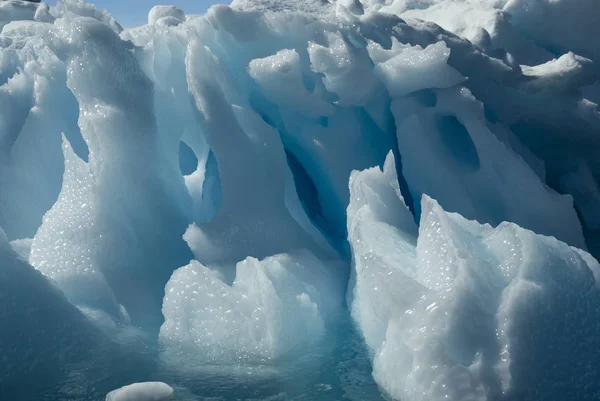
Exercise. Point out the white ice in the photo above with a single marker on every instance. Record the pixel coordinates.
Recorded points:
(147, 391)
(189, 179)
(464, 310)
(274, 308)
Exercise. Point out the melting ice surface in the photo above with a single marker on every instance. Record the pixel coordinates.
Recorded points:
(304, 200)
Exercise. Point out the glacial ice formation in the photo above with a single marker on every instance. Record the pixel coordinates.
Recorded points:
(231, 187)
(464, 310)
(249, 321)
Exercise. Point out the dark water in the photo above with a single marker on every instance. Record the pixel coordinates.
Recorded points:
(336, 369)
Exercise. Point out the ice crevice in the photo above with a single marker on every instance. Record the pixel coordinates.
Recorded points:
(246, 192)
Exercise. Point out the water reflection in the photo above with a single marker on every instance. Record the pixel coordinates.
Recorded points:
(337, 369)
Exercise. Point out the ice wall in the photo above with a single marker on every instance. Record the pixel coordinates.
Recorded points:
(190, 177)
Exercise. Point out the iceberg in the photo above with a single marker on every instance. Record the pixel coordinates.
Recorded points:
(352, 199)
(463, 310)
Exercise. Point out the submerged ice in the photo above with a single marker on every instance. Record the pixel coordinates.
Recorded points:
(219, 193)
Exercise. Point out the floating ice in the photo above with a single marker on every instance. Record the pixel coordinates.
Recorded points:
(148, 391)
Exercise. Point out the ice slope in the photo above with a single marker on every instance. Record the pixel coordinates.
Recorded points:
(189, 177)
(465, 311)
(41, 332)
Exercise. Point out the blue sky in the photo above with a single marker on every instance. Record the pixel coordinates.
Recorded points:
(132, 13)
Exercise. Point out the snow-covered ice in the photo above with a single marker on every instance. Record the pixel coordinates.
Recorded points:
(210, 200)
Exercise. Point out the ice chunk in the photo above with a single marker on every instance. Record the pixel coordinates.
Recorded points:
(559, 24)
(561, 75)
(22, 247)
(318, 8)
(379, 221)
(42, 14)
(477, 175)
(105, 235)
(405, 69)
(147, 391)
(280, 78)
(170, 12)
(341, 63)
(16, 10)
(274, 307)
(67, 8)
(514, 34)
(460, 315)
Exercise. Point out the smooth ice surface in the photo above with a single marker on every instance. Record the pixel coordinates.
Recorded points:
(170, 15)
(204, 189)
(41, 331)
(147, 391)
(451, 153)
(580, 182)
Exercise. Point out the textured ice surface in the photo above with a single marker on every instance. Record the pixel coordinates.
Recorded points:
(123, 211)
(210, 156)
(404, 69)
(273, 307)
(464, 310)
(147, 391)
